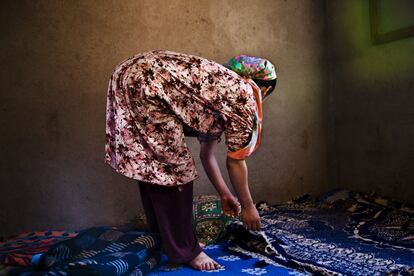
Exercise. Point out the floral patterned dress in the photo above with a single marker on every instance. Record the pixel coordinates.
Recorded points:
(156, 98)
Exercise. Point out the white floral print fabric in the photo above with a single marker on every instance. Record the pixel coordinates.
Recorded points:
(156, 98)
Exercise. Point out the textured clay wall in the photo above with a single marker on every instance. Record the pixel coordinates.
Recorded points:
(373, 102)
(56, 60)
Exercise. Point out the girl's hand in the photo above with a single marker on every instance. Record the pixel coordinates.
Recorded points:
(230, 206)
(251, 218)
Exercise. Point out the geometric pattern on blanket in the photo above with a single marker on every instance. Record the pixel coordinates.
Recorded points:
(19, 249)
(339, 233)
(383, 222)
(209, 221)
(231, 264)
(102, 250)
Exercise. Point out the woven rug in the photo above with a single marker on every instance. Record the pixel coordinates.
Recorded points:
(339, 233)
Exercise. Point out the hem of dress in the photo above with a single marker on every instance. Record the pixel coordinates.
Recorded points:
(196, 176)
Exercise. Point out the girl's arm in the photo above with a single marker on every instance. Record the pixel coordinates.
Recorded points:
(238, 176)
(212, 169)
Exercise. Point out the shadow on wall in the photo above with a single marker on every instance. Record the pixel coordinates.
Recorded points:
(372, 87)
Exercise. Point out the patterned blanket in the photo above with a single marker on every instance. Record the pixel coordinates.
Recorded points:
(339, 233)
(19, 249)
(101, 250)
(232, 264)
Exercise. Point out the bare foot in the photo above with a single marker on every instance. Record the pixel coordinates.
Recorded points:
(202, 245)
(203, 262)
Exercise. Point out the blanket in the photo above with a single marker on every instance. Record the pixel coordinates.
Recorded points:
(232, 263)
(101, 250)
(338, 233)
(19, 249)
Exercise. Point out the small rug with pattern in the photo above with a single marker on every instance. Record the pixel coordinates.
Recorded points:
(339, 233)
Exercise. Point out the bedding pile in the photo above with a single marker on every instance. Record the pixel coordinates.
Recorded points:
(19, 249)
(96, 251)
(338, 233)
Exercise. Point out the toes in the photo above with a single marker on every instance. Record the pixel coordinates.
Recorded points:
(204, 263)
(214, 265)
(197, 265)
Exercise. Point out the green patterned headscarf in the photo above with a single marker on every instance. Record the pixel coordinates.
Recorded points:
(253, 67)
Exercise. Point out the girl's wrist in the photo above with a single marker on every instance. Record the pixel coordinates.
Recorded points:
(247, 205)
(226, 194)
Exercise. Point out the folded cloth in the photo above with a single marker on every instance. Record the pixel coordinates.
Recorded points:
(19, 249)
(101, 251)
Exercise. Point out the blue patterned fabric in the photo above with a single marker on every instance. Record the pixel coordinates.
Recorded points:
(339, 233)
(100, 251)
(233, 264)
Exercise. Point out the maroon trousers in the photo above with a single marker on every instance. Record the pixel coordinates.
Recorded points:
(169, 212)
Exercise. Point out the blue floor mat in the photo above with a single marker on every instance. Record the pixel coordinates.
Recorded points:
(233, 264)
